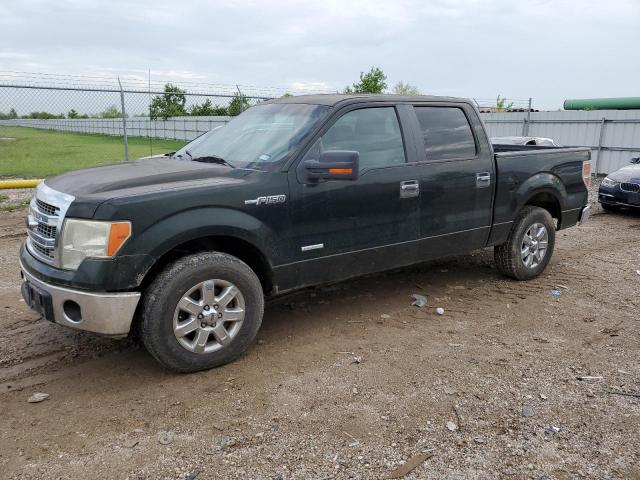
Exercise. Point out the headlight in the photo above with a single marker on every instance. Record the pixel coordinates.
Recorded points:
(86, 238)
(607, 182)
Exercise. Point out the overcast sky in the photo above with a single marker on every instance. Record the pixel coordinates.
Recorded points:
(545, 49)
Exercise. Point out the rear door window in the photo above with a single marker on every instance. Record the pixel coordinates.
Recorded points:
(446, 133)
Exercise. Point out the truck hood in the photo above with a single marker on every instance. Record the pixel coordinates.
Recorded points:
(142, 176)
(630, 173)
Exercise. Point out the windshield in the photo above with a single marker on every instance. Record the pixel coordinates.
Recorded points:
(259, 138)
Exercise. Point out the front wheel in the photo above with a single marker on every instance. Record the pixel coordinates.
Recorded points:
(529, 246)
(202, 311)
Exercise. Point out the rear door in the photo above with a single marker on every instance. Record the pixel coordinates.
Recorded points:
(346, 228)
(456, 181)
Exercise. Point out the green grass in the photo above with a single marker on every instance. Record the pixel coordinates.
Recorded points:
(42, 153)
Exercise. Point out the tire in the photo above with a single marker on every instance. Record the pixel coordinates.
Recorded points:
(609, 208)
(177, 330)
(511, 257)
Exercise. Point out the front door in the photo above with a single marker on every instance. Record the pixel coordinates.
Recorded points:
(346, 228)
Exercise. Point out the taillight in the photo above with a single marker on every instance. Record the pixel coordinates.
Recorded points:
(586, 174)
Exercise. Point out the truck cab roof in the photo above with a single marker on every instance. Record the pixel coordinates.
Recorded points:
(332, 100)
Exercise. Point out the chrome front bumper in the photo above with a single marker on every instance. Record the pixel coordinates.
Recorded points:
(105, 313)
(584, 215)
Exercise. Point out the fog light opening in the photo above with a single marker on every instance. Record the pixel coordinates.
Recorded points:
(72, 311)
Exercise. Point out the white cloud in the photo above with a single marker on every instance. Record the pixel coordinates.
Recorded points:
(547, 49)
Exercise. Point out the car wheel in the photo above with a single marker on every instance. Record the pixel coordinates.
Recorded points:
(610, 208)
(201, 311)
(529, 246)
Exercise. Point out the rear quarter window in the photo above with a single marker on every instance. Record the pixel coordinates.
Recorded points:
(446, 133)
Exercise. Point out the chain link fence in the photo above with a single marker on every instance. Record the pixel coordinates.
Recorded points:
(125, 107)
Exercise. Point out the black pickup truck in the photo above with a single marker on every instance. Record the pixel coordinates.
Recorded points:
(294, 192)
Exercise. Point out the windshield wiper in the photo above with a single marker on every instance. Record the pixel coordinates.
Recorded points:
(211, 159)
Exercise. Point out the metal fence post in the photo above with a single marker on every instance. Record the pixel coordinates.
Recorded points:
(124, 123)
(600, 142)
(526, 121)
(240, 99)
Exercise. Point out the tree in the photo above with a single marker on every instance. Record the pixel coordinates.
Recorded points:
(72, 114)
(9, 116)
(374, 81)
(111, 112)
(170, 104)
(43, 115)
(237, 105)
(206, 109)
(402, 88)
(501, 104)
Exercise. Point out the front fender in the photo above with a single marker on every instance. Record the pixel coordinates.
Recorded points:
(166, 234)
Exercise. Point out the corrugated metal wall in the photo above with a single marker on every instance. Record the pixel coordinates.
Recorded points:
(614, 135)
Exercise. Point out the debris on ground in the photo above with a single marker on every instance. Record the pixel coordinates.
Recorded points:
(419, 300)
(628, 394)
(551, 430)
(38, 397)
(588, 378)
(357, 359)
(555, 292)
(165, 438)
(450, 391)
(226, 442)
(385, 316)
(411, 464)
(440, 311)
(452, 426)
(527, 411)
(543, 396)
(192, 474)
(130, 443)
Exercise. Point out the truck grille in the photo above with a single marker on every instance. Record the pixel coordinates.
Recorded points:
(47, 252)
(630, 187)
(46, 214)
(46, 208)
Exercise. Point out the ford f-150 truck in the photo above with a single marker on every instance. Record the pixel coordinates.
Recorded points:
(295, 192)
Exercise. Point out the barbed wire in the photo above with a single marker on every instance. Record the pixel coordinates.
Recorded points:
(129, 82)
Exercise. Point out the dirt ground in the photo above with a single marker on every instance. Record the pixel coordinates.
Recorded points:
(351, 381)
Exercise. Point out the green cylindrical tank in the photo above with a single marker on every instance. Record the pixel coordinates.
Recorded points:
(622, 103)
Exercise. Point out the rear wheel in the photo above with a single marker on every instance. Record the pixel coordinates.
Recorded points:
(201, 312)
(529, 246)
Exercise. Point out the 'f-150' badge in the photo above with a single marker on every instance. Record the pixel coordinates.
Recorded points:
(271, 199)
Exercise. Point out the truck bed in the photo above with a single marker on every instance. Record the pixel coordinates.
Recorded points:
(522, 169)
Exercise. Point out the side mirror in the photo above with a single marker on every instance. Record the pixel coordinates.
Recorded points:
(333, 165)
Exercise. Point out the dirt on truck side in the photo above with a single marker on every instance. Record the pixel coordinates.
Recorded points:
(537, 379)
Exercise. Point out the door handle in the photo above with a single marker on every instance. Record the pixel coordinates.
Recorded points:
(483, 179)
(409, 188)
